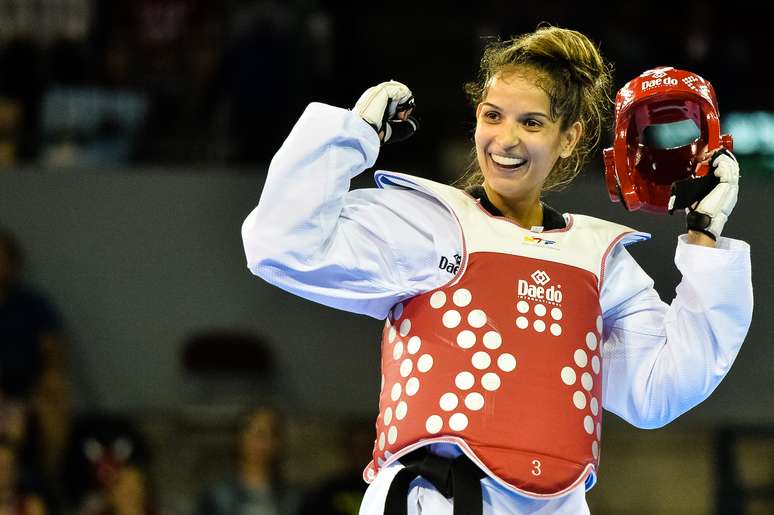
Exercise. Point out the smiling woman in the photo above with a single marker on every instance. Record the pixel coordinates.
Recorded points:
(575, 79)
(495, 370)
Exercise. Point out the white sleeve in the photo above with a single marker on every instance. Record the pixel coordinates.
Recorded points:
(360, 251)
(661, 360)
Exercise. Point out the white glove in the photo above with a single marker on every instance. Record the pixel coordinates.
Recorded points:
(381, 105)
(713, 210)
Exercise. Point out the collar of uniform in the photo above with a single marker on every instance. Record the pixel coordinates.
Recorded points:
(552, 219)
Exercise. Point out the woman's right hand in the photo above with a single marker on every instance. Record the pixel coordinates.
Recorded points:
(387, 108)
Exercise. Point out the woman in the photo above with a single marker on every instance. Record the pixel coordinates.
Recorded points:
(257, 487)
(496, 367)
(14, 501)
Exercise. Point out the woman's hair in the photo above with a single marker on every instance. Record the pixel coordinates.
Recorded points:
(574, 75)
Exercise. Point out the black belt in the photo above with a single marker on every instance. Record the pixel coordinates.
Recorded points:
(456, 477)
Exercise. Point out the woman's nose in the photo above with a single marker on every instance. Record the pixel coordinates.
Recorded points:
(510, 135)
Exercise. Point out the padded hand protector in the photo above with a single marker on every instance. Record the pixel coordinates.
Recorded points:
(380, 106)
(713, 210)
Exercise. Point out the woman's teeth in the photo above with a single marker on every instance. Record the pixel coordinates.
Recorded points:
(510, 162)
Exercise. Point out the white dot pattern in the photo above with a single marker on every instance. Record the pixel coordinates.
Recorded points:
(458, 404)
(481, 360)
(466, 339)
(540, 310)
(477, 318)
(568, 376)
(414, 344)
(434, 424)
(599, 324)
(583, 398)
(464, 380)
(474, 401)
(451, 319)
(392, 435)
(437, 300)
(448, 401)
(395, 393)
(458, 422)
(425, 363)
(581, 358)
(579, 399)
(506, 362)
(462, 297)
(401, 410)
(591, 341)
(490, 381)
(588, 424)
(586, 381)
(412, 386)
(492, 340)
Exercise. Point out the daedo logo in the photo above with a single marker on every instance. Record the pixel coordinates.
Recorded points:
(655, 83)
(538, 290)
(450, 265)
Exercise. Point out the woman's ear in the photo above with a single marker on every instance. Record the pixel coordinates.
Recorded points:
(570, 138)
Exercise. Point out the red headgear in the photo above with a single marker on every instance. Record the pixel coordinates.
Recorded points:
(640, 172)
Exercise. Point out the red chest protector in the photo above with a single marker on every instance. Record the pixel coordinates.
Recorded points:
(504, 360)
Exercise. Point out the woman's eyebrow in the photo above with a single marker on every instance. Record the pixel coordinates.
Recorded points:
(531, 113)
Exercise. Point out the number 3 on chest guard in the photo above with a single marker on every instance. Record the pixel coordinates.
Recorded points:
(536, 468)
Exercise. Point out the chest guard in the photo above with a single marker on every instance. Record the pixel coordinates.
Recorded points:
(504, 360)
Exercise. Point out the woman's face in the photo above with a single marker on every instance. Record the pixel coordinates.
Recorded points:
(259, 438)
(517, 141)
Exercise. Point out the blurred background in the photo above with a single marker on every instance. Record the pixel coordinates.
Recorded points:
(144, 370)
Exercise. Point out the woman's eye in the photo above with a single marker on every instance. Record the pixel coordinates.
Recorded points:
(531, 122)
(492, 115)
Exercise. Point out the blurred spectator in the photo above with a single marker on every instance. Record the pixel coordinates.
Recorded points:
(31, 339)
(128, 494)
(258, 486)
(100, 448)
(342, 493)
(19, 429)
(34, 383)
(14, 499)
